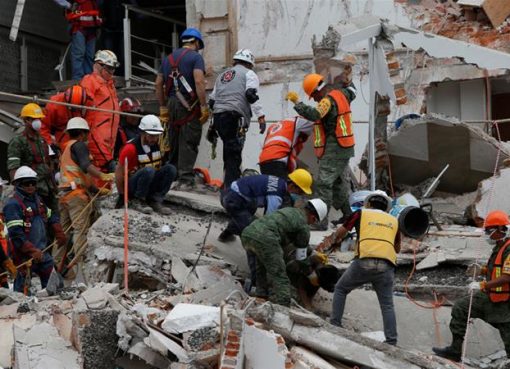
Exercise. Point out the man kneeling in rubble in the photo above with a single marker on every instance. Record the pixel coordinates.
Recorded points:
(149, 180)
(269, 238)
(491, 297)
(375, 259)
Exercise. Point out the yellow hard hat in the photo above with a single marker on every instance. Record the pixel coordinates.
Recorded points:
(303, 179)
(31, 110)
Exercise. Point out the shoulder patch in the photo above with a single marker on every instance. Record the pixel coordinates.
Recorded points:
(228, 76)
(323, 107)
(506, 266)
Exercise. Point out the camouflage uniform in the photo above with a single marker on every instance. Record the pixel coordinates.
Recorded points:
(20, 152)
(269, 238)
(496, 314)
(331, 187)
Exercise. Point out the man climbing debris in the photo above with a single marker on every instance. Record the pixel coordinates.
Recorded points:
(273, 237)
(149, 179)
(26, 219)
(491, 296)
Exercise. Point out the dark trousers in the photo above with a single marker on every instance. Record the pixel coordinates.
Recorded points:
(227, 126)
(151, 184)
(274, 168)
(240, 210)
(42, 269)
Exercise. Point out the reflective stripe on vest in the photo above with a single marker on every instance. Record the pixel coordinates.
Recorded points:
(71, 172)
(279, 141)
(152, 159)
(377, 233)
(343, 129)
(502, 293)
(28, 214)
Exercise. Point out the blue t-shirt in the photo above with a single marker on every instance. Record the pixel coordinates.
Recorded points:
(190, 61)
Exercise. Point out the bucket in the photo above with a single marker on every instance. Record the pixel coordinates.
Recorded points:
(412, 220)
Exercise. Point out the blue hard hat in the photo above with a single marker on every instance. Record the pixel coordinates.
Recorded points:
(193, 32)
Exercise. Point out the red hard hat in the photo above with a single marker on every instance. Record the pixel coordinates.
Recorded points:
(75, 95)
(130, 105)
(496, 218)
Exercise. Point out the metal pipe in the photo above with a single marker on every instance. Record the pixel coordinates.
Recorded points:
(127, 47)
(371, 122)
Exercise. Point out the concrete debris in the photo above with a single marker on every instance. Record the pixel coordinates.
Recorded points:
(188, 317)
(492, 191)
(256, 341)
(163, 345)
(41, 347)
(148, 355)
(429, 143)
(306, 359)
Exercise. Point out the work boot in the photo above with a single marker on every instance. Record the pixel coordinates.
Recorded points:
(140, 205)
(226, 236)
(448, 352)
(159, 208)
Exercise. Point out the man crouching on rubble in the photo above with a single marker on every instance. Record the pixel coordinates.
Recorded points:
(375, 259)
(491, 296)
(269, 237)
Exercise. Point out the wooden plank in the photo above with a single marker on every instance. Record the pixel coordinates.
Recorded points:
(497, 11)
(16, 20)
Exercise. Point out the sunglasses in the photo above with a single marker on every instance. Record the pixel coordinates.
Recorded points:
(28, 183)
(108, 68)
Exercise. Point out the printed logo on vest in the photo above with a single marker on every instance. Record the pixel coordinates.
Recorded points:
(228, 76)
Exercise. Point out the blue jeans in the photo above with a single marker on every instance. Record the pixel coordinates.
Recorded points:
(150, 184)
(381, 274)
(82, 54)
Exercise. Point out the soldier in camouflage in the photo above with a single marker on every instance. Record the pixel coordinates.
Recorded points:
(272, 237)
(30, 149)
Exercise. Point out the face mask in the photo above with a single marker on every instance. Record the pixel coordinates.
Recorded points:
(36, 125)
(490, 241)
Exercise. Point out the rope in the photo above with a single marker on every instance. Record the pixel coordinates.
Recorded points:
(471, 292)
(126, 226)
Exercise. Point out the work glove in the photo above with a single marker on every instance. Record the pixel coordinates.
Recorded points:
(320, 257)
(204, 114)
(107, 177)
(164, 115)
(60, 235)
(292, 96)
(104, 191)
(262, 124)
(10, 267)
(212, 135)
(477, 269)
(31, 251)
(477, 286)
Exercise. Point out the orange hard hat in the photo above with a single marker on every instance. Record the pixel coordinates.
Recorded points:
(312, 82)
(496, 218)
(75, 95)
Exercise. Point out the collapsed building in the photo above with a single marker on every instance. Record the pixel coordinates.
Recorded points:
(186, 307)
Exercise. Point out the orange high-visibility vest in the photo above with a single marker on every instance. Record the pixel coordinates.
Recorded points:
(343, 129)
(502, 293)
(72, 176)
(278, 142)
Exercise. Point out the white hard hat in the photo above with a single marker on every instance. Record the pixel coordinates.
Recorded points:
(381, 194)
(151, 124)
(77, 123)
(320, 208)
(24, 172)
(244, 55)
(107, 57)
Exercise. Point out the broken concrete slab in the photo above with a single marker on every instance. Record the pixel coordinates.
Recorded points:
(95, 298)
(42, 347)
(202, 202)
(163, 345)
(211, 274)
(426, 145)
(416, 330)
(491, 194)
(432, 260)
(212, 295)
(182, 274)
(257, 341)
(306, 359)
(190, 317)
(149, 356)
(23, 321)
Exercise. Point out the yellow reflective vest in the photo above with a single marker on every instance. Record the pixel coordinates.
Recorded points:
(377, 232)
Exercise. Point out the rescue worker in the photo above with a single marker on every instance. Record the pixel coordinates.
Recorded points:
(490, 301)
(149, 180)
(76, 185)
(247, 194)
(284, 141)
(271, 237)
(233, 100)
(180, 90)
(103, 126)
(56, 116)
(333, 138)
(375, 259)
(30, 149)
(128, 127)
(84, 19)
(6, 264)
(26, 219)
